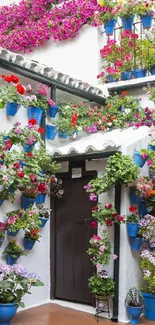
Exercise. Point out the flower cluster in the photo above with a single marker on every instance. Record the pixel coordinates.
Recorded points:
(147, 229)
(100, 249)
(148, 268)
(106, 215)
(143, 186)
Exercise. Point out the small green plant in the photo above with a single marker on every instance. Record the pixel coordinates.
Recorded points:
(14, 250)
(102, 285)
(134, 216)
(134, 298)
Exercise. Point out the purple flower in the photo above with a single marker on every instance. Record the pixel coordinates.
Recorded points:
(94, 128)
(17, 131)
(33, 277)
(87, 187)
(5, 269)
(87, 129)
(93, 197)
(19, 270)
(31, 140)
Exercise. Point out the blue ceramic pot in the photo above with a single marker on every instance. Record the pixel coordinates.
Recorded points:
(36, 113)
(51, 132)
(136, 243)
(12, 108)
(109, 26)
(127, 22)
(126, 75)
(52, 111)
(10, 260)
(142, 210)
(151, 147)
(63, 135)
(132, 229)
(139, 73)
(40, 199)
(152, 70)
(42, 222)
(12, 233)
(28, 147)
(138, 159)
(1, 241)
(134, 313)
(29, 243)
(149, 306)
(146, 20)
(7, 312)
(1, 201)
(26, 202)
(134, 198)
(111, 79)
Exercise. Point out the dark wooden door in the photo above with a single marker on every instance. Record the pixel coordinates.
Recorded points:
(72, 264)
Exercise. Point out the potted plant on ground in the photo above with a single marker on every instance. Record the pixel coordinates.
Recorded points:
(148, 292)
(15, 282)
(106, 215)
(3, 228)
(44, 215)
(13, 252)
(134, 304)
(102, 286)
(31, 236)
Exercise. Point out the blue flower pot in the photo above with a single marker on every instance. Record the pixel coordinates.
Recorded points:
(10, 260)
(136, 243)
(151, 147)
(111, 79)
(146, 20)
(152, 70)
(12, 233)
(134, 198)
(42, 222)
(22, 163)
(127, 22)
(139, 73)
(138, 159)
(126, 75)
(40, 199)
(132, 229)
(28, 147)
(1, 201)
(7, 312)
(12, 108)
(26, 202)
(63, 135)
(51, 132)
(109, 26)
(149, 305)
(134, 313)
(1, 241)
(52, 111)
(142, 210)
(36, 113)
(29, 243)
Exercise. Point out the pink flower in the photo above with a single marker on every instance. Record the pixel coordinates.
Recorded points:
(128, 57)
(115, 257)
(5, 178)
(93, 224)
(144, 155)
(51, 102)
(101, 248)
(149, 162)
(93, 197)
(28, 88)
(43, 90)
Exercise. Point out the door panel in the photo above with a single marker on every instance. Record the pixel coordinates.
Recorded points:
(72, 263)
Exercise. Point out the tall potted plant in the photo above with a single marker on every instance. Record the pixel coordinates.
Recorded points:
(134, 305)
(12, 289)
(13, 252)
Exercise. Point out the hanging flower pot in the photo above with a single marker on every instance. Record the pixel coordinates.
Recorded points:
(127, 22)
(109, 26)
(1, 241)
(10, 260)
(63, 135)
(7, 312)
(138, 159)
(127, 75)
(28, 147)
(42, 222)
(146, 20)
(151, 147)
(26, 202)
(52, 111)
(134, 198)
(132, 229)
(153, 70)
(40, 199)
(36, 113)
(149, 303)
(12, 233)
(29, 243)
(12, 108)
(136, 243)
(111, 79)
(142, 210)
(139, 73)
(1, 201)
(51, 132)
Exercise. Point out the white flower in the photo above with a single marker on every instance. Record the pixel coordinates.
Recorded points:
(110, 124)
(127, 110)
(79, 128)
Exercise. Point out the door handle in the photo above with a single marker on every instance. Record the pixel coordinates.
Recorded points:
(84, 220)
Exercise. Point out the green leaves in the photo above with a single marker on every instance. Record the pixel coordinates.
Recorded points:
(101, 286)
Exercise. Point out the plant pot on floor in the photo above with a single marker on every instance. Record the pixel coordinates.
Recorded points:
(132, 229)
(138, 159)
(7, 312)
(26, 202)
(29, 243)
(139, 73)
(11, 260)
(146, 20)
(42, 222)
(40, 199)
(134, 313)
(136, 243)
(127, 22)
(109, 26)
(12, 233)
(51, 132)
(36, 113)
(12, 108)
(28, 147)
(52, 111)
(149, 306)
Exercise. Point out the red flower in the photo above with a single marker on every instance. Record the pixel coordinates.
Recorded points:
(52, 179)
(93, 224)
(14, 79)
(20, 174)
(33, 178)
(30, 154)
(40, 130)
(32, 121)
(6, 78)
(132, 209)
(42, 187)
(8, 144)
(75, 106)
(16, 165)
(108, 223)
(95, 208)
(74, 119)
(124, 93)
(20, 89)
(108, 206)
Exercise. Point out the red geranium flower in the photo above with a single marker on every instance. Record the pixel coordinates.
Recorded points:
(93, 224)
(32, 121)
(20, 174)
(41, 130)
(108, 223)
(20, 89)
(74, 119)
(30, 154)
(16, 165)
(14, 79)
(132, 208)
(42, 187)
(6, 78)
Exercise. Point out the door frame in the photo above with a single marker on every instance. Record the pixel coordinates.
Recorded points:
(93, 174)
